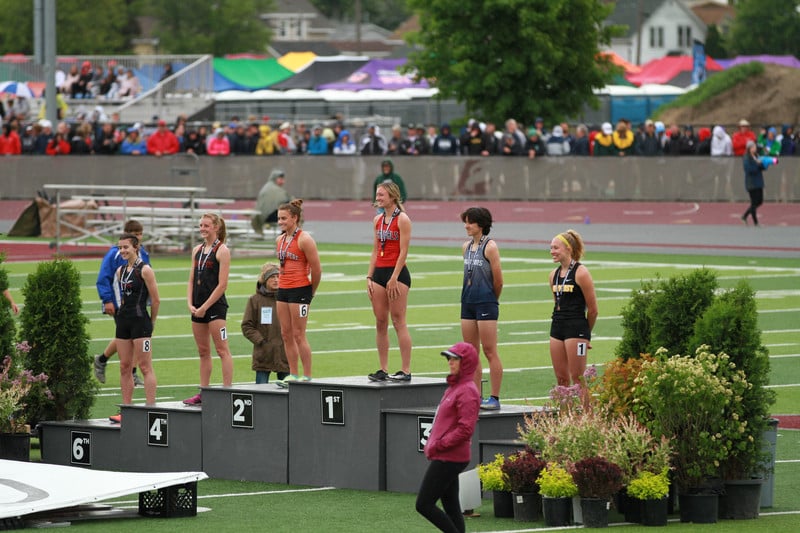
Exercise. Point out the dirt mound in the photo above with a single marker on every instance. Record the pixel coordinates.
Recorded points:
(771, 98)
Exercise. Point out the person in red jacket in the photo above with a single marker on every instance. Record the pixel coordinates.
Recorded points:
(162, 141)
(10, 143)
(740, 138)
(59, 144)
(450, 441)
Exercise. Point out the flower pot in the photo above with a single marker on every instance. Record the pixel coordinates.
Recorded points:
(595, 512)
(630, 507)
(698, 508)
(654, 512)
(741, 500)
(503, 504)
(15, 446)
(557, 511)
(527, 506)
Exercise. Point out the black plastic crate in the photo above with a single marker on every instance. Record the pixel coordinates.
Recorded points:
(170, 502)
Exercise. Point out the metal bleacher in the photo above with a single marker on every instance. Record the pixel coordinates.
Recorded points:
(189, 90)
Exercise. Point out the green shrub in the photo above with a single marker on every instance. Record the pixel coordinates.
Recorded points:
(53, 323)
(730, 326)
(7, 326)
(636, 323)
(674, 308)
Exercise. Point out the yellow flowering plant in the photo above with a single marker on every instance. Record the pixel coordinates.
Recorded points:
(555, 482)
(695, 402)
(649, 485)
(492, 476)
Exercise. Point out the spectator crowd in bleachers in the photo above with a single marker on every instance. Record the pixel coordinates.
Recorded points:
(93, 132)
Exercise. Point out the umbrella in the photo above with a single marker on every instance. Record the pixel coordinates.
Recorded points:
(18, 88)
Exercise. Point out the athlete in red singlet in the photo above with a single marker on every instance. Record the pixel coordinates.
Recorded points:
(299, 278)
(388, 280)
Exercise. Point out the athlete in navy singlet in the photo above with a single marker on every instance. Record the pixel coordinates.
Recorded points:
(205, 296)
(480, 295)
(138, 288)
(574, 310)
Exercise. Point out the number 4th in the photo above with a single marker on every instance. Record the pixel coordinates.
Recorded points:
(155, 429)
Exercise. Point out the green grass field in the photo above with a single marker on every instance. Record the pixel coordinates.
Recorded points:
(341, 333)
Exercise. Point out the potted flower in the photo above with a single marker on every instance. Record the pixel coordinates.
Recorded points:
(651, 490)
(686, 400)
(557, 489)
(730, 325)
(493, 479)
(598, 479)
(522, 469)
(16, 384)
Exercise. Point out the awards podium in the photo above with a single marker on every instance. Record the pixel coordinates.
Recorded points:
(345, 432)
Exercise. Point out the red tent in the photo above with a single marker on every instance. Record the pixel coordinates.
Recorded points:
(670, 70)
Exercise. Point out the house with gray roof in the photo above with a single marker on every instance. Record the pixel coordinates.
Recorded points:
(655, 28)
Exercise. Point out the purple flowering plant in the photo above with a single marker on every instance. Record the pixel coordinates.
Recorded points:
(16, 384)
(568, 397)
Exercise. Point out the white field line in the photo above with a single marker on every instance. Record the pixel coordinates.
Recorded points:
(241, 494)
(333, 276)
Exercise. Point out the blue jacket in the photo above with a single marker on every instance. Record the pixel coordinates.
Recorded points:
(127, 147)
(106, 287)
(317, 145)
(753, 175)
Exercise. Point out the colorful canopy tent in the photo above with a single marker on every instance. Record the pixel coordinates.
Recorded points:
(328, 95)
(324, 69)
(380, 74)
(786, 61)
(248, 74)
(628, 67)
(297, 61)
(670, 70)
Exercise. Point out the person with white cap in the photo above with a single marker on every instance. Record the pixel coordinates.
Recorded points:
(448, 447)
(741, 136)
(603, 143)
(43, 138)
(285, 140)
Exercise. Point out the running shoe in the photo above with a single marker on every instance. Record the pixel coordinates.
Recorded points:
(490, 404)
(137, 381)
(284, 383)
(99, 369)
(305, 378)
(399, 376)
(197, 399)
(379, 375)
(117, 418)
